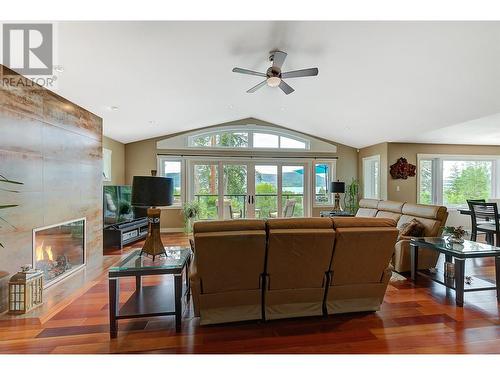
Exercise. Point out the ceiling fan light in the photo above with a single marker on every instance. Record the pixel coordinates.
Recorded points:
(273, 81)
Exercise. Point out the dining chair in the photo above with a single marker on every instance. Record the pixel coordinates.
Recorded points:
(485, 219)
(470, 209)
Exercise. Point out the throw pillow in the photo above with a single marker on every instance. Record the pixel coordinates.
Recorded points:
(413, 228)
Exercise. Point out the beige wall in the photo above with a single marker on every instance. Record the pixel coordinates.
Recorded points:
(117, 161)
(408, 188)
(378, 149)
(140, 159)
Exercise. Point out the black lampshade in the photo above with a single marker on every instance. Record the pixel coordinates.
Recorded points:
(338, 187)
(150, 191)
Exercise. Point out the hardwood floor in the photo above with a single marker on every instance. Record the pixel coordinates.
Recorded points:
(413, 319)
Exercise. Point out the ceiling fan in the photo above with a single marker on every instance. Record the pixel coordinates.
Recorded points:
(274, 76)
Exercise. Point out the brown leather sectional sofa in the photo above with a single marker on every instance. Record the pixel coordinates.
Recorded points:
(432, 217)
(283, 268)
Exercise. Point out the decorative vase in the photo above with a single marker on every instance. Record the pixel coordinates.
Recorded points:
(455, 239)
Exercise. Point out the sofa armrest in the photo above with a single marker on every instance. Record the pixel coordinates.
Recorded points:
(195, 285)
(404, 238)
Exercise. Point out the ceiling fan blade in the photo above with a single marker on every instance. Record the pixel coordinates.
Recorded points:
(285, 87)
(278, 59)
(256, 87)
(251, 72)
(300, 73)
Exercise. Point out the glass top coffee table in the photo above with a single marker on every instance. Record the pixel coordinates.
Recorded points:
(456, 253)
(153, 300)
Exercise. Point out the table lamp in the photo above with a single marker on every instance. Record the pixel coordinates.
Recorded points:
(337, 188)
(152, 192)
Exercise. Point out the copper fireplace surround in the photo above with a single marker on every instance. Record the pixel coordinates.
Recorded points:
(59, 250)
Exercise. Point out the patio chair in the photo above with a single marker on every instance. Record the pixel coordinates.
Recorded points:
(287, 210)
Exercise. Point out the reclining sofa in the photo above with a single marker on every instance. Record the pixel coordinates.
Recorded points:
(285, 268)
(432, 218)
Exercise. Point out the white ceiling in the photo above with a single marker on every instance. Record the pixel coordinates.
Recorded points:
(378, 81)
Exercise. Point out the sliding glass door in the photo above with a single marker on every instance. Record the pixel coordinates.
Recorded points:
(227, 189)
(235, 191)
(266, 191)
(205, 187)
(293, 190)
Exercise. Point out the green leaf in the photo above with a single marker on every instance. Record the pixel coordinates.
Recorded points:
(4, 179)
(9, 190)
(8, 206)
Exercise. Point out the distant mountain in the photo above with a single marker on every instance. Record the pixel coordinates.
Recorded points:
(290, 179)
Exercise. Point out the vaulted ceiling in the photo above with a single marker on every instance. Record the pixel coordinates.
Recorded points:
(378, 81)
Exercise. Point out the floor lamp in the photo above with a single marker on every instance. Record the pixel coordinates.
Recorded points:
(152, 192)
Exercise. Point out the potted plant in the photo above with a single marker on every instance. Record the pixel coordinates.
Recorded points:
(455, 234)
(351, 196)
(3, 206)
(190, 210)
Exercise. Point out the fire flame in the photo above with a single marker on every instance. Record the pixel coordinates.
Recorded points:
(44, 252)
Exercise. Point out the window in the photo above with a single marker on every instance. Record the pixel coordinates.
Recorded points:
(107, 154)
(263, 140)
(323, 176)
(222, 140)
(371, 177)
(245, 138)
(286, 142)
(451, 180)
(171, 167)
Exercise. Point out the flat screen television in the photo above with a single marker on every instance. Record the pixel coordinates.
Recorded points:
(117, 207)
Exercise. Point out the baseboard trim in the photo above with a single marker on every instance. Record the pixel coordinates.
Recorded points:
(171, 230)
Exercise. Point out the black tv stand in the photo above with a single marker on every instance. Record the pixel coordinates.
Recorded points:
(121, 234)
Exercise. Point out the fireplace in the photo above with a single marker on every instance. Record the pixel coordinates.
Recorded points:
(59, 250)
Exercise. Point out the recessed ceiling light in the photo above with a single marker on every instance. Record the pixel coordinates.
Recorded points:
(59, 68)
(114, 108)
(152, 122)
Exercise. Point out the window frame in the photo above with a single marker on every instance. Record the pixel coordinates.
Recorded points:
(161, 159)
(333, 177)
(379, 179)
(437, 174)
(250, 132)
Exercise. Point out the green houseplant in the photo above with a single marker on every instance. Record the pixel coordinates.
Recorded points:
(190, 211)
(351, 196)
(455, 234)
(4, 180)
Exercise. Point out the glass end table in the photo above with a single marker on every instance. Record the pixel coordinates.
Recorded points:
(154, 300)
(456, 253)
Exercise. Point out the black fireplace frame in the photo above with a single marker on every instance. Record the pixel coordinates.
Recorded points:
(72, 271)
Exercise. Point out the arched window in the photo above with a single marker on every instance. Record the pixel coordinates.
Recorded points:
(248, 138)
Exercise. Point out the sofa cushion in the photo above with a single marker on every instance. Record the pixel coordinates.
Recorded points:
(424, 210)
(228, 225)
(389, 215)
(300, 223)
(366, 212)
(391, 206)
(369, 203)
(356, 222)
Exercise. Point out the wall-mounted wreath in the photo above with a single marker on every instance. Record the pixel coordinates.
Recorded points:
(402, 169)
